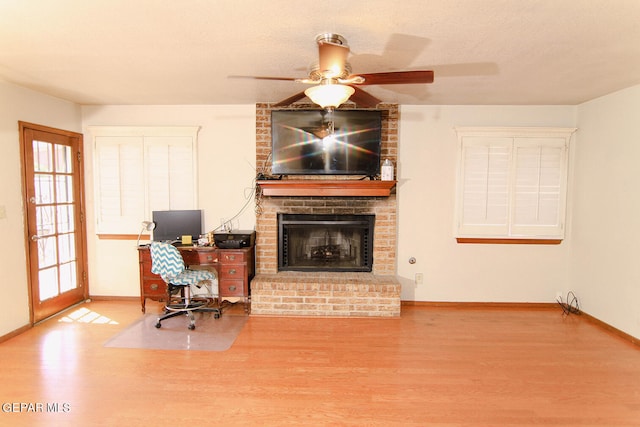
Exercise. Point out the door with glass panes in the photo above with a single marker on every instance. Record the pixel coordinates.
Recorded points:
(53, 190)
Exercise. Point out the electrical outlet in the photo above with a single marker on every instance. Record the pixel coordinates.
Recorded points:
(419, 278)
(3, 212)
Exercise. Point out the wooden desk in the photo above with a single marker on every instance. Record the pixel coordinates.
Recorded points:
(234, 269)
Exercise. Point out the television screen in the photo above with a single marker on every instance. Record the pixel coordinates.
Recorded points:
(172, 225)
(320, 142)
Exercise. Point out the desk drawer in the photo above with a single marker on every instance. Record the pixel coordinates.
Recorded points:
(232, 271)
(154, 288)
(189, 257)
(196, 257)
(146, 271)
(208, 257)
(145, 256)
(231, 288)
(232, 257)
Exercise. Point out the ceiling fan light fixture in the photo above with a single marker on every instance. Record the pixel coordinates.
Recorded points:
(329, 95)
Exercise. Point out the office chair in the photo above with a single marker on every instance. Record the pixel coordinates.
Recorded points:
(167, 262)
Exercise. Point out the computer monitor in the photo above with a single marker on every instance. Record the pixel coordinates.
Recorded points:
(173, 224)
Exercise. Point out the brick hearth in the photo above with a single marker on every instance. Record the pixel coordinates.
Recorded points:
(325, 293)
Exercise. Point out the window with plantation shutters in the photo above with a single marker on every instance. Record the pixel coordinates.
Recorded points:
(512, 183)
(139, 170)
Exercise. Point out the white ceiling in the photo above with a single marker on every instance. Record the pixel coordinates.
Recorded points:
(182, 51)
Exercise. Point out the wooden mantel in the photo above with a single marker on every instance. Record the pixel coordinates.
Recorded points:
(327, 188)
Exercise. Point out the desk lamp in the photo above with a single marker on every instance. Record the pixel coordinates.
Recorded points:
(148, 226)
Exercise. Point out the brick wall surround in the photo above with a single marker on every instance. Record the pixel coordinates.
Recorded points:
(325, 294)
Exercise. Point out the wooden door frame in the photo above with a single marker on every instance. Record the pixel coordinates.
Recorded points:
(81, 202)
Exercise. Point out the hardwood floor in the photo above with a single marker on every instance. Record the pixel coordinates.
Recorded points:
(434, 366)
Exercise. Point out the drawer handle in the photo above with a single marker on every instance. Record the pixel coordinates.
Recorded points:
(232, 271)
(209, 258)
(231, 257)
(154, 287)
(232, 288)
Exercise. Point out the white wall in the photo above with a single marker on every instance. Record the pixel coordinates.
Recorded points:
(427, 168)
(596, 260)
(226, 169)
(426, 192)
(20, 104)
(605, 264)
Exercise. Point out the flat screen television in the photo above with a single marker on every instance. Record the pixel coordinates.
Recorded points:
(172, 225)
(320, 142)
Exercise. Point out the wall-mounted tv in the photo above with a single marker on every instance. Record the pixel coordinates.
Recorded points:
(320, 142)
(172, 225)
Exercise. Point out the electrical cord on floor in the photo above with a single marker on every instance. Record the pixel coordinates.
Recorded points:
(570, 306)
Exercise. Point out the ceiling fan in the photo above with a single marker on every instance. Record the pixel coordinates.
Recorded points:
(333, 80)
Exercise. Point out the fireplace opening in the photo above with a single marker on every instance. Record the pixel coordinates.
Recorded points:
(325, 242)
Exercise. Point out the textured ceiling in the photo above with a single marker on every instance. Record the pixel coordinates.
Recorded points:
(182, 52)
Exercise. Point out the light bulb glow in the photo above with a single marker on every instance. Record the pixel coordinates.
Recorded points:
(329, 95)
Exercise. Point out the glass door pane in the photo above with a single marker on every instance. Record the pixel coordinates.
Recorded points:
(55, 217)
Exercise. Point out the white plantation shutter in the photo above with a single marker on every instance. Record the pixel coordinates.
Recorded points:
(485, 189)
(512, 182)
(170, 165)
(119, 183)
(141, 169)
(539, 187)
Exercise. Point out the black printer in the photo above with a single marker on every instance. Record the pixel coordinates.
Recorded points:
(234, 239)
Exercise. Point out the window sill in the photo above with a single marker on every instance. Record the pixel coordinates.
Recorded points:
(506, 241)
(123, 236)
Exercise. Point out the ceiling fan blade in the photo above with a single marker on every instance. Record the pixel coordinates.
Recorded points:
(333, 58)
(290, 100)
(263, 78)
(396, 77)
(364, 99)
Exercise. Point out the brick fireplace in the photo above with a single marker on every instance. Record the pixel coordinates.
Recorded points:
(325, 293)
(327, 242)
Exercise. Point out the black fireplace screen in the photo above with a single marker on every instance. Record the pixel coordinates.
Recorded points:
(325, 242)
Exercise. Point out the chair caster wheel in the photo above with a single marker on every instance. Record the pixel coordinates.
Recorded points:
(158, 325)
(192, 327)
